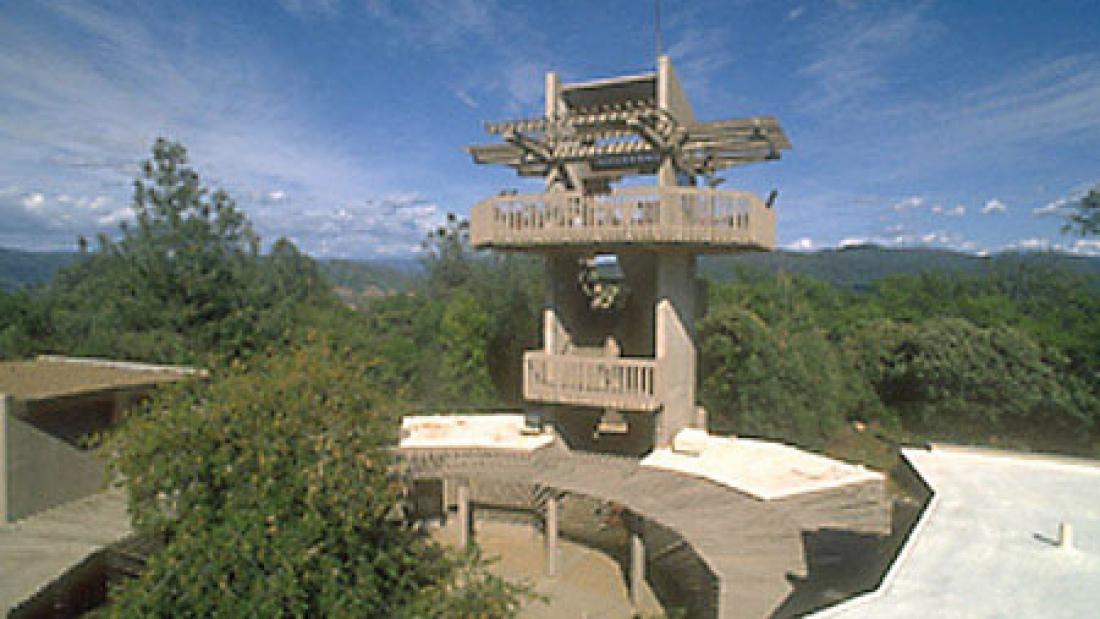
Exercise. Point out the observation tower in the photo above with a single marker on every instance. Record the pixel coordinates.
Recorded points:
(618, 358)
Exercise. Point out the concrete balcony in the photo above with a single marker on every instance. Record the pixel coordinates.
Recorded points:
(602, 382)
(697, 219)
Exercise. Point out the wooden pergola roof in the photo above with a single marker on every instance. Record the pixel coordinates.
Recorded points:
(630, 137)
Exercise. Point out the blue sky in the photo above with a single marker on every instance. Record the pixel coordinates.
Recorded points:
(340, 123)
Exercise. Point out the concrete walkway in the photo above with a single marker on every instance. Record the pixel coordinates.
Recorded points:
(37, 550)
(589, 584)
(753, 553)
(987, 543)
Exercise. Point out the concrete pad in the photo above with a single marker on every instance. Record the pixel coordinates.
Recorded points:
(986, 545)
(471, 432)
(765, 470)
(37, 550)
(589, 583)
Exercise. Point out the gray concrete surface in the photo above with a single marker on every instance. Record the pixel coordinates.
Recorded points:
(588, 584)
(735, 556)
(37, 550)
(986, 545)
(42, 459)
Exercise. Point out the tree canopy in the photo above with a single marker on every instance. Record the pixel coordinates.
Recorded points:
(1085, 221)
(184, 281)
(275, 491)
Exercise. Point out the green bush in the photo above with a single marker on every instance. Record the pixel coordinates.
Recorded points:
(776, 381)
(275, 492)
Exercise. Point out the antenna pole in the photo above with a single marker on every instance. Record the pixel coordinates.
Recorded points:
(657, 24)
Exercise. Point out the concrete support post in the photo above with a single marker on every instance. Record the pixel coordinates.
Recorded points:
(675, 314)
(464, 520)
(553, 94)
(6, 406)
(552, 535)
(555, 336)
(637, 569)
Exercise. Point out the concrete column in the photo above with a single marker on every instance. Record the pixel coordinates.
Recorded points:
(559, 273)
(637, 569)
(553, 507)
(675, 318)
(6, 402)
(464, 520)
(553, 93)
(552, 535)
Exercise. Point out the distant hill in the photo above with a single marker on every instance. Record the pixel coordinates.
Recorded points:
(858, 267)
(855, 268)
(357, 281)
(19, 269)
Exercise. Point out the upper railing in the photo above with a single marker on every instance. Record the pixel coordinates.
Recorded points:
(604, 382)
(705, 219)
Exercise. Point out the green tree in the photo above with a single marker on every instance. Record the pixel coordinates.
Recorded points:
(185, 281)
(1086, 220)
(776, 381)
(949, 378)
(449, 258)
(274, 488)
(465, 338)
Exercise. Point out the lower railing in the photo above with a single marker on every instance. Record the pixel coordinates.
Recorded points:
(604, 382)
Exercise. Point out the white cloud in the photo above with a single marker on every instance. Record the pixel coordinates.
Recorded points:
(1048, 102)
(76, 120)
(34, 201)
(802, 244)
(1052, 208)
(795, 13)
(955, 211)
(465, 97)
(1030, 244)
(994, 206)
(908, 203)
(855, 49)
(311, 8)
(1067, 202)
(1086, 247)
(514, 54)
(852, 242)
(701, 51)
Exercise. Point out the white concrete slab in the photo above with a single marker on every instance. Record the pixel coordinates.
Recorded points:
(986, 545)
(37, 550)
(470, 432)
(763, 469)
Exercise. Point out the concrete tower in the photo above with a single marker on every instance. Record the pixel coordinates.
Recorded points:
(621, 286)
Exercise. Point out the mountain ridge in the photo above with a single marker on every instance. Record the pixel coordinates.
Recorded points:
(856, 267)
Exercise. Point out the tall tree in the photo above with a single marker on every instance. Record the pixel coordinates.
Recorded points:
(184, 280)
(1086, 220)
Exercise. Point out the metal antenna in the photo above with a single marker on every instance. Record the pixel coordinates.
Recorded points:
(657, 24)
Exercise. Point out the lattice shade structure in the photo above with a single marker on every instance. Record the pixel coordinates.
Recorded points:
(618, 128)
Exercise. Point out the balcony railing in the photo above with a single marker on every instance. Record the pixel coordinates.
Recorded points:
(700, 217)
(605, 382)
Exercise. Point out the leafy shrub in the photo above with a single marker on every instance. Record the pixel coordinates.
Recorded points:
(274, 489)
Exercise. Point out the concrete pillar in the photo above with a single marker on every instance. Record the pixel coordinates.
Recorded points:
(6, 405)
(675, 314)
(552, 535)
(553, 93)
(464, 520)
(560, 271)
(637, 569)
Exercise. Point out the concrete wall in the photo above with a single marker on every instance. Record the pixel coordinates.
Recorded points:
(43, 461)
